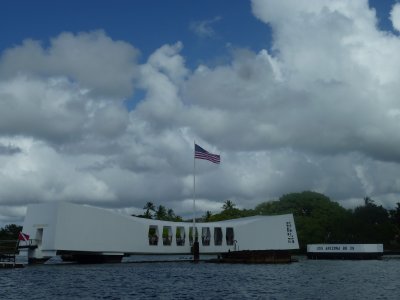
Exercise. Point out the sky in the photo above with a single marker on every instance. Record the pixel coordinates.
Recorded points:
(101, 102)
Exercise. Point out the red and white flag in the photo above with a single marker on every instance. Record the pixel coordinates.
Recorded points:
(23, 237)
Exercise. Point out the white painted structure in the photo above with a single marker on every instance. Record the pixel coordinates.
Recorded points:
(344, 251)
(345, 248)
(66, 228)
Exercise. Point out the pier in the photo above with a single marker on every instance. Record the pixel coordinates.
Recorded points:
(8, 250)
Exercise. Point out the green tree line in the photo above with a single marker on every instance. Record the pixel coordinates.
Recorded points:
(10, 232)
(318, 219)
(159, 213)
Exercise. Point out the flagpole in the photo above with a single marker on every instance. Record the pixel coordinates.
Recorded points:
(196, 252)
(194, 191)
(201, 154)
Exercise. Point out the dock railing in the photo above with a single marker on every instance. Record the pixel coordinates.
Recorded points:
(29, 244)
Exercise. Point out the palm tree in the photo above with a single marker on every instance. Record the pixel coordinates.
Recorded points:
(207, 216)
(368, 201)
(149, 207)
(171, 214)
(228, 205)
(161, 213)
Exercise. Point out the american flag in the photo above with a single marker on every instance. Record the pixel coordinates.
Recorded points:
(200, 153)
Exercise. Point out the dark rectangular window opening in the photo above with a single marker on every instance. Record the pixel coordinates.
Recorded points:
(153, 235)
(217, 236)
(230, 237)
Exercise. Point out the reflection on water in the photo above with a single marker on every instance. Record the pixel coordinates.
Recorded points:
(307, 279)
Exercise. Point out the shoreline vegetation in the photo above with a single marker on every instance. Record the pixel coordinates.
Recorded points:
(318, 220)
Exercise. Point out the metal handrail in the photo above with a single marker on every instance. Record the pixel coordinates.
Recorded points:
(28, 244)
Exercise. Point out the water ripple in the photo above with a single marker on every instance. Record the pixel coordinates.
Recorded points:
(302, 280)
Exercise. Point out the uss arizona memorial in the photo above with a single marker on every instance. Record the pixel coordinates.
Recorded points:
(85, 233)
(89, 234)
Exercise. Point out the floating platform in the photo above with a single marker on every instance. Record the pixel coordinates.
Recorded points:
(254, 257)
(91, 258)
(10, 265)
(345, 251)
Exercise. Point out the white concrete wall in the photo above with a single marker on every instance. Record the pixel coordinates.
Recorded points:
(266, 233)
(73, 227)
(43, 216)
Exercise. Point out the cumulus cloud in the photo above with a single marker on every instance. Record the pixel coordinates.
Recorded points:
(395, 16)
(335, 60)
(92, 59)
(50, 109)
(319, 111)
(39, 173)
(162, 77)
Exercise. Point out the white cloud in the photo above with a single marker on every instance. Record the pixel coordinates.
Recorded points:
(103, 66)
(395, 16)
(319, 111)
(12, 214)
(50, 109)
(162, 77)
(204, 28)
(38, 173)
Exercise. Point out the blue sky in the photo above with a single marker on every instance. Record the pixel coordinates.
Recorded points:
(101, 102)
(146, 24)
(149, 24)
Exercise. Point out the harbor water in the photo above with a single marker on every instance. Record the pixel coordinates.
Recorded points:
(305, 279)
